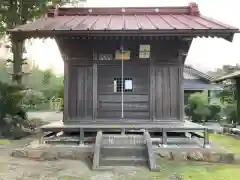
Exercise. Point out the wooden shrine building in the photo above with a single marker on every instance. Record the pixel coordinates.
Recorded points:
(123, 68)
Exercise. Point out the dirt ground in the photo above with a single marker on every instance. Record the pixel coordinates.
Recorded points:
(22, 169)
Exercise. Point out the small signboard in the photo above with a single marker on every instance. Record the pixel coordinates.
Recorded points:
(144, 51)
(122, 55)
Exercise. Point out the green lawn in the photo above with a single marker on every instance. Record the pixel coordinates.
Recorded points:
(195, 171)
(228, 142)
(5, 141)
(181, 171)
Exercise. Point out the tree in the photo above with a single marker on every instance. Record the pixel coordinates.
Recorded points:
(18, 12)
(32, 98)
(197, 108)
(10, 104)
(47, 75)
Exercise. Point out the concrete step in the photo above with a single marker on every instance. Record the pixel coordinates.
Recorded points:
(123, 161)
(123, 150)
(123, 139)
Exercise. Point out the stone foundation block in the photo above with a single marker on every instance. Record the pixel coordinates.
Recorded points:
(166, 155)
(50, 156)
(35, 154)
(199, 156)
(66, 155)
(196, 156)
(227, 158)
(19, 153)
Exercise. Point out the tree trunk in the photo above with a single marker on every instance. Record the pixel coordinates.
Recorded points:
(17, 49)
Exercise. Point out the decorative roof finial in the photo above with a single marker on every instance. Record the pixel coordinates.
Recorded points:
(193, 9)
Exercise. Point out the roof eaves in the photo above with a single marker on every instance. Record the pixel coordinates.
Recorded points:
(228, 76)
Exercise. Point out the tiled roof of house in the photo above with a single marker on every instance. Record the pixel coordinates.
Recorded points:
(228, 76)
(193, 71)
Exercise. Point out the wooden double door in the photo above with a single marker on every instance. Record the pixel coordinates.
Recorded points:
(123, 92)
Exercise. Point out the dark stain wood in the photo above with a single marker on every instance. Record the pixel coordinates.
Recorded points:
(66, 91)
(157, 82)
(136, 103)
(94, 91)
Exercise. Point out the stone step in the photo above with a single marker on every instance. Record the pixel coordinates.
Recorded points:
(123, 161)
(123, 150)
(123, 139)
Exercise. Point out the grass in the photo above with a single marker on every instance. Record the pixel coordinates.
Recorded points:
(228, 142)
(182, 170)
(188, 171)
(5, 141)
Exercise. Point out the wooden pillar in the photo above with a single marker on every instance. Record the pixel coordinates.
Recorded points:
(181, 59)
(181, 93)
(41, 136)
(164, 137)
(66, 90)
(95, 96)
(152, 95)
(237, 94)
(17, 50)
(209, 96)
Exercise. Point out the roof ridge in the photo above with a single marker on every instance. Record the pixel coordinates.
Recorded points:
(192, 9)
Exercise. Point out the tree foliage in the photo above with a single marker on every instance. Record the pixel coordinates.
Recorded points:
(18, 12)
(197, 108)
(32, 98)
(10, 105)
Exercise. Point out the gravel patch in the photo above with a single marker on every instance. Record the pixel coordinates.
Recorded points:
(12, 168)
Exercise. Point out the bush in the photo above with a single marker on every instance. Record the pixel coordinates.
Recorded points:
(201, 113)
(215, 111)
(33, 124)
(231, 113)
(32, 98)
(197, 108)
(12, 115)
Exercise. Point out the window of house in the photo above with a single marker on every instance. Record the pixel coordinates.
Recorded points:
(124, 84)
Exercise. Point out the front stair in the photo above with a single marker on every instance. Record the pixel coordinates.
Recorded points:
(123, 150)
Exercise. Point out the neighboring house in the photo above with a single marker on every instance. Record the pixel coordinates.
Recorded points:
(197, 81)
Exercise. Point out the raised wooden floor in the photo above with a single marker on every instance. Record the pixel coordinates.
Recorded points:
(162, 127)
(169, 126)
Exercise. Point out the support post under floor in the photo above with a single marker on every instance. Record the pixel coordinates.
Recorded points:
(206, 138)
(81, 136)
(164, 137)
(41, 136)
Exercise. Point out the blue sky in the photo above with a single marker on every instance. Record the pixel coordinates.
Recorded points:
(205, 53)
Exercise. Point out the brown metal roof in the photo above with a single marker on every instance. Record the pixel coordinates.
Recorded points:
(162, 19)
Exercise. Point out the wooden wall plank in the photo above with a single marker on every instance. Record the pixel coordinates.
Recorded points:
(181, 93)
(167, 92)
(94, 90)
(66, 91)
(152, 87)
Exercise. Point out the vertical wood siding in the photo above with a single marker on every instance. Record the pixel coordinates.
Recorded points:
(81, 92)
(157, 83)
(167, 92)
